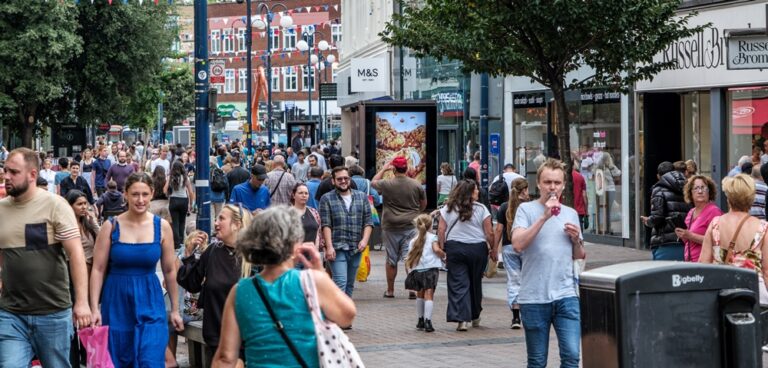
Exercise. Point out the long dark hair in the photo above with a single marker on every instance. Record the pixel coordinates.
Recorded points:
(158, 178)
(178, 176)
(460, 199)
(518, 186)
(72, 197)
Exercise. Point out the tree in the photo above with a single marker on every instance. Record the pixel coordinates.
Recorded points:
(545, 40)
(37, 41)
(178, 85)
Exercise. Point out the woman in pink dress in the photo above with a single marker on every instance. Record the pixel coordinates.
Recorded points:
(701, 192)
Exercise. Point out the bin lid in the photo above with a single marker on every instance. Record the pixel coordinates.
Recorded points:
(667, 275)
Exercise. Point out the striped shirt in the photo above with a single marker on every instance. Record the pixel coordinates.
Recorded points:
(758, 206)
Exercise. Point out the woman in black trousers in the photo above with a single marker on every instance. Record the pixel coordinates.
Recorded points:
(181, 196)
(465, 234)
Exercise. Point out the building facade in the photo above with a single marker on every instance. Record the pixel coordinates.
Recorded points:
(294, 83)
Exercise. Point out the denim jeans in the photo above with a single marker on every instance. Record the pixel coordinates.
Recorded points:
(344, 269)
(564, 314)
(513, 264)
(23, 335)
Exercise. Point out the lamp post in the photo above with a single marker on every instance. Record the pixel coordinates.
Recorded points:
(306, 45)
(286, 21)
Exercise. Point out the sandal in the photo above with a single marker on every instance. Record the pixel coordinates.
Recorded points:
(389, 295)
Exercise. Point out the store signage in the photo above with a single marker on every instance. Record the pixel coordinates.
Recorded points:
(599, 97)
(449, 103)
(748, 52)
(703, 50)
(369, 75)
(328, 91)
(528, 100)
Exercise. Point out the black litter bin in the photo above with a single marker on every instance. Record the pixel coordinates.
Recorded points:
(670, 314)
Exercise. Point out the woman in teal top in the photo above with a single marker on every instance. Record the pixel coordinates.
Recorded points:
(274, 240)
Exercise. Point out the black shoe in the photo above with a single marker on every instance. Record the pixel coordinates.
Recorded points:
(516, 324)
(420, 325)
(428, 326)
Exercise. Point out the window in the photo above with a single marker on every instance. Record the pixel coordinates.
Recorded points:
(242, 80)
(289, 38)
(219, 88)
(304, 83)
(215, 42)
(336, 34)
(275, 38)
(290, 79)
(229, 80)
(229, 43)
(275, 79)
(241, 40)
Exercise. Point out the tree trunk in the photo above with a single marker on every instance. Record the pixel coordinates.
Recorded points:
(563, 143)
(27, 129)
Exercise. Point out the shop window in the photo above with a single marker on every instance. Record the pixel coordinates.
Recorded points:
(748, 116)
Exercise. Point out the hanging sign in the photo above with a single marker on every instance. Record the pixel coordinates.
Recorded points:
(217, 71)
(369, 75)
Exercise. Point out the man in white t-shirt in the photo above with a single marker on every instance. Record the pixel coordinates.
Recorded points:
(509, 174)
(161, 161)
(549, 237)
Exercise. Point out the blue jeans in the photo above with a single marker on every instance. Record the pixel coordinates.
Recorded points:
(668, 252)
(22, 336)
(344, 269)
(564, 314)
(513, 264)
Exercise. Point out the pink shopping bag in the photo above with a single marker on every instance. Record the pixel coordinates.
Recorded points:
(96, 343)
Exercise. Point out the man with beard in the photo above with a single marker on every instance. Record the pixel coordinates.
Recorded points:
(75, 181)
(252, 194)
(120, 172)
(346, 224)
(39, 232)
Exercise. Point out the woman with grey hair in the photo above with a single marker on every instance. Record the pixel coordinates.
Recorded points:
(274, 240)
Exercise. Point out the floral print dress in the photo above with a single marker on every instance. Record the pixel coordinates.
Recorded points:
(750, 258)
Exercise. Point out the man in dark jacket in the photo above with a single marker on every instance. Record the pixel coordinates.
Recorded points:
(668, 210)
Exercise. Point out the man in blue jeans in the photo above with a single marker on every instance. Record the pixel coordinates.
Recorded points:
(347, 224)
(37, 230)
(550, 236)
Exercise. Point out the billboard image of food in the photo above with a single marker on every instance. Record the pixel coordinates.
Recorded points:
(402, 134)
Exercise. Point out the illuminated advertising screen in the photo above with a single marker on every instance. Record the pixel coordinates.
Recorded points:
(402, 133)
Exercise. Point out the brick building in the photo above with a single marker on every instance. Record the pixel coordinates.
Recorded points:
(290, 82)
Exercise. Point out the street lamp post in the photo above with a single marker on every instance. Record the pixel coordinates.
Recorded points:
(306, 45)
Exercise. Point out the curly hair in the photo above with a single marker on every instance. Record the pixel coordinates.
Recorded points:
(270, 238)
(460, 199)
(518, 186)
(688, 189)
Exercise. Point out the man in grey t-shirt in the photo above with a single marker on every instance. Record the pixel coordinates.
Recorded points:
(549, 237)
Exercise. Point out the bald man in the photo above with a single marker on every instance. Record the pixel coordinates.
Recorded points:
(280, 182)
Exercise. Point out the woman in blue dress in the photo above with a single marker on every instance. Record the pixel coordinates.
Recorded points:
(126, 295)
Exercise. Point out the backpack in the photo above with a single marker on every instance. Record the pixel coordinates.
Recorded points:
(498, 193)
(219, 182)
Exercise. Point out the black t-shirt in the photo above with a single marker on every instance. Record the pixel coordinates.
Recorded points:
(501, 219)
(327, 185)
(213, 276)
(237, 175)
(310, 226)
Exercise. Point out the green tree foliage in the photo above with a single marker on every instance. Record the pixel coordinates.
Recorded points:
(37, 42)
(178, 85)
(545, 40)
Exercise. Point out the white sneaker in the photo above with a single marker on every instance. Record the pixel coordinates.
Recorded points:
(476, 322)
(462, 326)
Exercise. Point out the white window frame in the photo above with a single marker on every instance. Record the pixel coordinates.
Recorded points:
(215, 42)
(304, 85)
(336, 34)
(275, 32)
(290, 74)
(241, 47)
(229, 81)
(242, 80)
(228, 44)
(219, 88)
(289, 39)
(275, 79)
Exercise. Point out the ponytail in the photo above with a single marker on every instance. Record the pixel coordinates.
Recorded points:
(423, 223)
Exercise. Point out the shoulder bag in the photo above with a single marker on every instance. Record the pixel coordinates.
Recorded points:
(333, 346)
(277, 185)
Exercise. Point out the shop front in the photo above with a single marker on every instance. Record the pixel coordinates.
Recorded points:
(599, 144)
(703, 110)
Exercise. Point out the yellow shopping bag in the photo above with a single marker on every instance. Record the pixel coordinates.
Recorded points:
(365, 266)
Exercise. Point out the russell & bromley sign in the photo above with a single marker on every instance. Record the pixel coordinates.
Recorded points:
(748, 51)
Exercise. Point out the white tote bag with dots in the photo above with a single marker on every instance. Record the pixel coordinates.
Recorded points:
(333, 346)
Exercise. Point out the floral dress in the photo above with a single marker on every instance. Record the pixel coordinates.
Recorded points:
(750, 258)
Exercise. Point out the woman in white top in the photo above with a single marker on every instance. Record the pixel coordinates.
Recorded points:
(423, 263)
(49, 175)
(446, 181)
(466, 235)
(181, 196)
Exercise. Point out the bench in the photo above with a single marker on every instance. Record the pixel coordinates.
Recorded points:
(193, 332)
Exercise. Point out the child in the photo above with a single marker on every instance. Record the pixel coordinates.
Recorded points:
(423, 263)
(112, 202)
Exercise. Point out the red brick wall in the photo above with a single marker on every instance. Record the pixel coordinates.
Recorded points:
(236, 12)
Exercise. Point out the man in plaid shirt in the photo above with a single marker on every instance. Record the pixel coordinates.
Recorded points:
(347, 224)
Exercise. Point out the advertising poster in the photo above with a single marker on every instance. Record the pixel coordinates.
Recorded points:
(402, 134)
